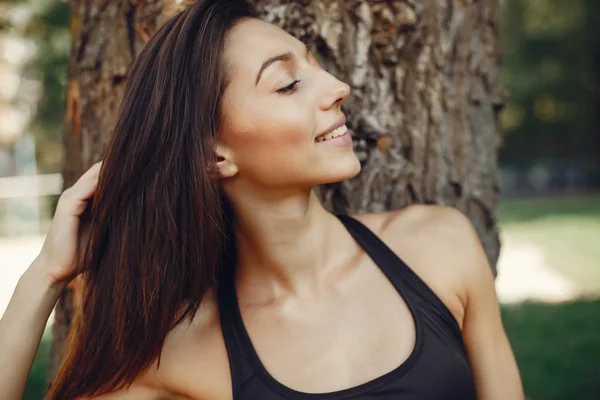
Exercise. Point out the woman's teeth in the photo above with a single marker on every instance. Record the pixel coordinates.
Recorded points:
(333, 134)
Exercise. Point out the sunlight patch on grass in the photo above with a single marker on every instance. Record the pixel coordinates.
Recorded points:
(567, 229)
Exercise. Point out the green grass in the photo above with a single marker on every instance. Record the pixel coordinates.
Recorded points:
(36, 384)
(557, 346)
(530, 209)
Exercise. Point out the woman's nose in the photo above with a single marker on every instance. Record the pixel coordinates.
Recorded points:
(337, 91)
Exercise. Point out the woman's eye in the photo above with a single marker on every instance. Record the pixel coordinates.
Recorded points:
(289, 88)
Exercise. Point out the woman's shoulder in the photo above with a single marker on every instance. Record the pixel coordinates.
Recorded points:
(424, 227)
(424, 218)
(438, 243)
(193, 361)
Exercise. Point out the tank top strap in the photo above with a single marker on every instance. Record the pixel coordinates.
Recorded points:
(239, 366)
(399, 273)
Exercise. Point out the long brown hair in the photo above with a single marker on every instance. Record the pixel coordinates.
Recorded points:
(158, 226)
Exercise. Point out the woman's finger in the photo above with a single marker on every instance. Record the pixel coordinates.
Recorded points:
(73, 199)
(86, 184)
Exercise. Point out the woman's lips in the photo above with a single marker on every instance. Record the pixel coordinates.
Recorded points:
(342, 140)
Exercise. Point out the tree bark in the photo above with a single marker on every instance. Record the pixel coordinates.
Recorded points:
(423, 109)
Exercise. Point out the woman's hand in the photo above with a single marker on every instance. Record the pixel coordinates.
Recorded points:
(58, 257)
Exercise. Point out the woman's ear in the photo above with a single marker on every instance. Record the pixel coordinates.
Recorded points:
(225, 166)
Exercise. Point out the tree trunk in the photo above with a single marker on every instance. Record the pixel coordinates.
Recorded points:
(423, 109)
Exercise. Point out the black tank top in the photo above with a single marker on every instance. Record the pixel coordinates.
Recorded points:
(437, 368)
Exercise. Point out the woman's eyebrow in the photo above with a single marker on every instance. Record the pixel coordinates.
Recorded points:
(287, 56)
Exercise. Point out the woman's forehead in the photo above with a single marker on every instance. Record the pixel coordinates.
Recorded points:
(253, 41)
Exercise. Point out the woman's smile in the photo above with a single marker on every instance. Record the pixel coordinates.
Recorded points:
(339, 136)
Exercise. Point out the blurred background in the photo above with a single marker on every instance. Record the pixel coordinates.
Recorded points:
(549, 213)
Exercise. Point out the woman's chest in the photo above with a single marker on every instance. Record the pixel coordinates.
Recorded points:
(335, 341)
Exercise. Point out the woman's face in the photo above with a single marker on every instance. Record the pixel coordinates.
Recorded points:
(273, 112)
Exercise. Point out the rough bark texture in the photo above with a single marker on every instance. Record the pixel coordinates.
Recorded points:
(423, 110)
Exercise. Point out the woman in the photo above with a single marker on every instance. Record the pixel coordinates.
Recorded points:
(211, 269)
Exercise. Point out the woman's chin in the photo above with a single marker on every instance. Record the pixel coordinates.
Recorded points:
(340, 172)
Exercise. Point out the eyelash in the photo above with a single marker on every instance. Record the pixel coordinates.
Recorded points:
(291, 88)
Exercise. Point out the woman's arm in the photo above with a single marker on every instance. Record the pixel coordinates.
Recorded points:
(38, 289)
(23, 322)
(491, 357)
(22, 326)
(492, 361)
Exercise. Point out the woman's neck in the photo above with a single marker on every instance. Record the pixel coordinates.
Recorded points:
(286, 245)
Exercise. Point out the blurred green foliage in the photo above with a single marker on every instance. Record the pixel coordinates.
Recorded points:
(551, 67)
(45, 23)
